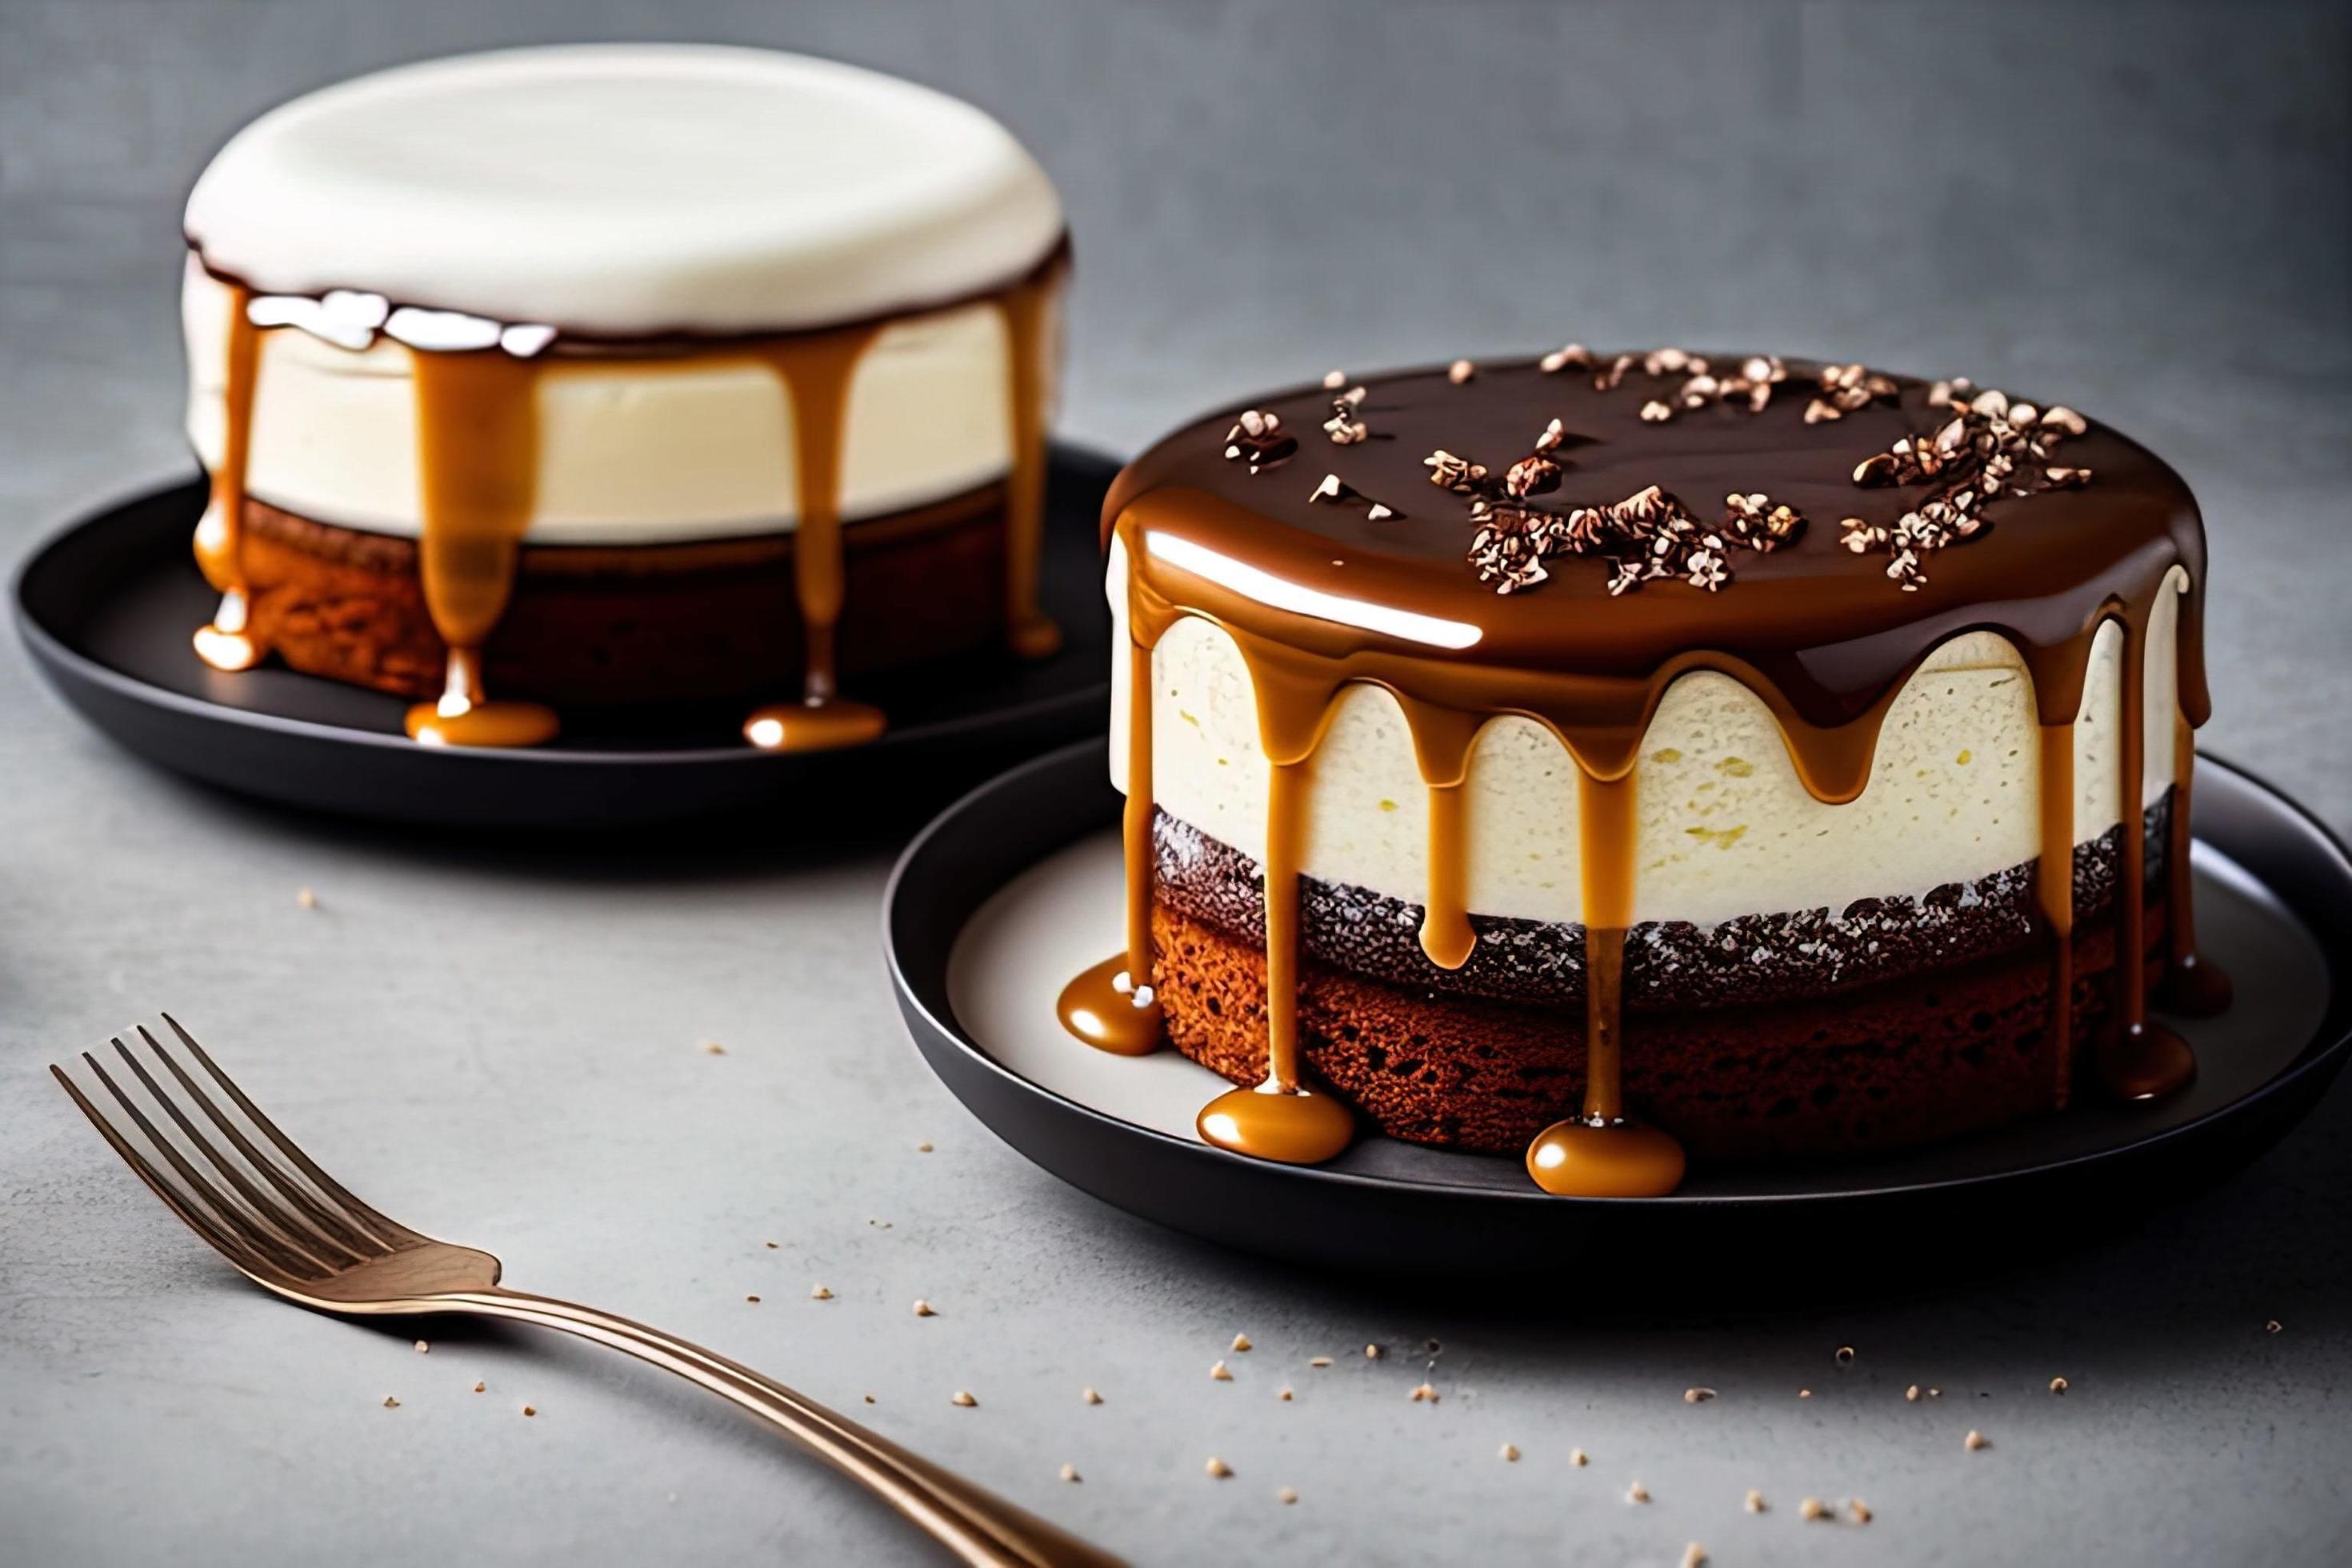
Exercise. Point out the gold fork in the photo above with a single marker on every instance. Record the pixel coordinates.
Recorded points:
(294, 1231)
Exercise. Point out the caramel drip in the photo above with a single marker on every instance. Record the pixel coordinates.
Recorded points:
(225, 643)
(1601, 1155)
(2194, 987)
(1442, 739)
(1111, 1006)
(817, 369)
(478, 477)
(2053, 888)
(2138, 1060)
(1280, 1120)
(1028, 312)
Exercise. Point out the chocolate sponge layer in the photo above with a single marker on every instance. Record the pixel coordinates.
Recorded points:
(1669, 965)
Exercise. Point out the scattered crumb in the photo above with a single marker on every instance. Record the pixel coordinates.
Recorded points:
(423, 1347)
(1976, 1440)
(1423, 1394)
(1460, 371)
(1219, 1374)
(1858, 1510)
(481, 1387)
(1697, 1395)
(1846, 1356)
(1287, 1495)
(2057, 1385)
(1318, 1361)
(924, 1309)
(1637, 1492)
(754, 1299)
(531, 1410)
(963, 1397)
(1090, 1396)
(712, 1048)
(769, 1244)
(924, 1148)
(1372, 1352)
(2273, 1326)
(1069, 1472)
(820, 1293)
(869, 1399)
(306, 897)
(390, 1403)
(1934, 1393)
(1285, 1394)
(1694, 1556)
(1241, 1342)
(1755, 1502)
(1912, 1394)
(1218, 1469)
(879, 1223)
(1577, 1456)
(1812, 1507)
(1510, 1453)
(1804, 1393)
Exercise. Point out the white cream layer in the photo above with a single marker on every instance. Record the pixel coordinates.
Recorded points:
(1727, 829)
(631, 451)
(628, 190)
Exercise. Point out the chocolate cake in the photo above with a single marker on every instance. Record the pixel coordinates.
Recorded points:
(1618, 760)
(605, 374)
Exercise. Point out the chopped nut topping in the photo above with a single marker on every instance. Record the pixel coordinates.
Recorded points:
(1637, 1492)
(1283, 1394)
(1241, 1342)
(1755, 1502)
(1510, 1453)
(1379, 514)
(1697, 1395)
(2057, 1385)
(1575, 355)
(1258, 439)
(1655, 412)
(1423, 1393)
(1219, 1374)
(1912, 1394)
(1331, 489)
(819, 1293)
(1812, 1507)
(1976, 1440)
(1090, 1396)
(1287, 1495)
(390, 1403)
(1577, 1456)
(1531, 476)
(1333, 380)
(1819, 412)
(1858, 1510)
(480, 1387)
(1449, 472)
(925, 1310)
(423, 1347)
(1218, 1469)
(1460, 371)
(962, 1396)
(1069, 1472)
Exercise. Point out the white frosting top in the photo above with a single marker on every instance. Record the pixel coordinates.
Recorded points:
(628, 189)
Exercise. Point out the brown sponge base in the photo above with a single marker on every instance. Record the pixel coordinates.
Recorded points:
(1904, 1063)
(594, 625)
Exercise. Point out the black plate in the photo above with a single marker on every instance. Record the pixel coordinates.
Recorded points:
(1393, 1206)
(106, 609)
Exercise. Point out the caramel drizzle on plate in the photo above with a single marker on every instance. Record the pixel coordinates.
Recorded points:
(1300, 665)
(477, 459)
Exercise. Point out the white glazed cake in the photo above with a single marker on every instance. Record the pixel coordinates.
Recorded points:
(725, 302)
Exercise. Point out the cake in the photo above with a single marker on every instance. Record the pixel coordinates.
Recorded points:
(604, 375)
(1617, 761)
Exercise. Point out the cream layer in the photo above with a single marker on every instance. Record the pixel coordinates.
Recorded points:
(1726, 827)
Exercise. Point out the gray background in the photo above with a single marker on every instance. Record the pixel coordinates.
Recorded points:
(2140, 209)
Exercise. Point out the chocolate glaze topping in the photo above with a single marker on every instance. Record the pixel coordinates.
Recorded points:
(1326, 530)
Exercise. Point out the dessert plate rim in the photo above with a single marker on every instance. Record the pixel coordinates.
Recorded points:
(125, 706)
(935, 874)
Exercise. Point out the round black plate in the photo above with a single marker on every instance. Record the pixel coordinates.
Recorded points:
(106, 609)
(1393, 1206)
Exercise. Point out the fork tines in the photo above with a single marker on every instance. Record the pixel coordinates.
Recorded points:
(272, 1212)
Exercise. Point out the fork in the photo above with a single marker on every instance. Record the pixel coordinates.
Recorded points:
(297, 1232)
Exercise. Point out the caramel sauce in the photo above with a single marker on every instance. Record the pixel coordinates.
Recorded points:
(225, 643)
(1111, 1006)
(1027, 310)
(2194, 987)
(2053, 891)
(1821, 637)
(1290, 1126)
(477, 455)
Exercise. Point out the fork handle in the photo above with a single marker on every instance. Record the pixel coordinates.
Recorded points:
(977, 1525)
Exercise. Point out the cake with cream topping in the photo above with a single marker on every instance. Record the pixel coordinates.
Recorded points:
(612, 374)
(1617, 760)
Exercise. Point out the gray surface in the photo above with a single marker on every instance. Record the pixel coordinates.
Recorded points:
(2141, 208)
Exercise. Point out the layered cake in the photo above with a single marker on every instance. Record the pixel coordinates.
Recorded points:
(1617, 760)
(616, 374)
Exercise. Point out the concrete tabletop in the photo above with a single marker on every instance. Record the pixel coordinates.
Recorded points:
(2142, 208)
